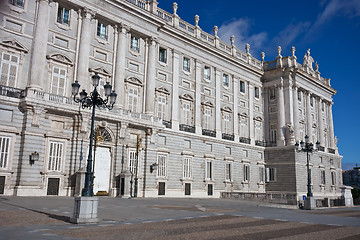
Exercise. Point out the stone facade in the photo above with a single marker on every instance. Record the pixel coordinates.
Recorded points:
(212, 118)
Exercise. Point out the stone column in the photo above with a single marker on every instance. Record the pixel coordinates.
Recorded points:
(84, 49)
(320, 123)
(251, 113)
(281, 115)
(308, 116)
(296, 113)
(120, 64)
(266, 127)
(198, 70)
(218, 103)
(235, 112)
(331, 127)
(175, 91)
(38, 58)
(150, 78)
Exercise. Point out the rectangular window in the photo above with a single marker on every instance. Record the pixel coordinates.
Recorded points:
(18, 3)
(261, 174)
(162, 55)
(273, 135)
(58, 81)
(207, 73)
(63, 15)
(207, 119)
(187, 188)
(242, 86)
(102, 30)
(246, 173)
(226, 123)
(4, 151)
(55, 156)
(208, 169)
(187, 113)
(161, 165)
(256, 92)
(322, 106)
(161, 106)
(323, 179)
(311, 101)
(133, 99)
(333, 178)
(272, 94)
(186, 64)
(187, 167)
(299, 96)
(161, 189)
(132, 162)
(228, 171)
(243, 127)
(134, 44)
(270, 174)
(9, 69)
(225, 80)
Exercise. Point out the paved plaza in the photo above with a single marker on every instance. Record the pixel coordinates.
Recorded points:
(48, 218)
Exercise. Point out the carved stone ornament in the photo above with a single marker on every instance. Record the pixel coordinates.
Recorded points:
(226, 109)
(258, 118)
(232, 40)
(196, 19)
(308, 60)
(215, 29)
(262, 56)
(293, 51)
(279, 51)
(175, 7)
(162, 90)
(290, 129)
(247, 48)
(14, 44)
(207, 104)
(101, 71)
(186, 97)
(58, 57)
(134, 80)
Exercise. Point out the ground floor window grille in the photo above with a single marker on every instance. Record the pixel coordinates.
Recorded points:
(4, 151)
(55, 156)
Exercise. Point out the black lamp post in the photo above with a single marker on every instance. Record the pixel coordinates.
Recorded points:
(92, 101)
(307, 147)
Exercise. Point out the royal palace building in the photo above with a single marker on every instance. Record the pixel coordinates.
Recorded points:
(194, 116)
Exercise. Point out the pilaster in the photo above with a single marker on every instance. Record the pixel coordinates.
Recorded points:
(331, 127)
(217, 103)
(320, 122)
(308, 115)
(251, 113)
(150, 78)
(296, 113)
(175, 91)
(235, 112)
(281, 115)
(198, 69)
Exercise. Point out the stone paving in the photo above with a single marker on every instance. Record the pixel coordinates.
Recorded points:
(162, 218)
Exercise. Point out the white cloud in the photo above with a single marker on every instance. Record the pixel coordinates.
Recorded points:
(240, 29)
(290, 33)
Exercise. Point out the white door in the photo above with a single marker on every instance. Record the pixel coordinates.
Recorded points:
(102, 170)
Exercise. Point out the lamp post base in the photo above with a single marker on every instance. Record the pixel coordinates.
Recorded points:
(310, 203)
(85, 210)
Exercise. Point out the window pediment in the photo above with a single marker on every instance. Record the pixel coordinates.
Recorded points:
(314, 125)
(134, 80)
(15, 44)
(162, 90)
(207, 104)
(243, 114)
(101, 71)
(60, 58)
(258, 118)
(226, 109)
(187, 97)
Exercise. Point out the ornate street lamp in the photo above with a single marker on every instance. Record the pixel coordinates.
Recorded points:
(308, 147)
(92, 101)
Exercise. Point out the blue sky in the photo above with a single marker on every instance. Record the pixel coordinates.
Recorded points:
(330, 28)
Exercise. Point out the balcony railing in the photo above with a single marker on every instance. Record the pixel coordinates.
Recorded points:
(11, 92)
(209, 133)
(187, 128)
(167, 124)
(330, 150)
(322, 149)
(260, 143)
(228, 136)
(244, 140)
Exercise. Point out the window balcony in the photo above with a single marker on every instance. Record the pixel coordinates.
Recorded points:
(11, 92)
(330, 150)
(228, 136)
(209, 133)
(244, 140)
(322, 149)
(187, 128)
(260, 143)
(167, 124)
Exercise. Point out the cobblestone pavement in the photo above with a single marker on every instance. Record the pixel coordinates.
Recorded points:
(48, 218)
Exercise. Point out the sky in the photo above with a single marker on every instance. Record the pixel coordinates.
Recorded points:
(330, 28)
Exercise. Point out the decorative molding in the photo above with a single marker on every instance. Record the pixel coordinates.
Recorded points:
(58, 57)
(226, 109)
(15, 44)
(101, 70)
(207, 104)
(186, 96)
(162, 90)
(258, 118)
(134, 80)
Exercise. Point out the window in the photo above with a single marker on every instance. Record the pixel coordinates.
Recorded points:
(208, 170)
(311, 101)
(133, 99)
(273, 134)
(55, 156)
(261, 174)
(187, 167)
(207, 118)
(272, 94)
(270, 174)
(257, 94)
(226, 123)
(243, 127)
(102, 30)
(9, 69)
(187, 113)
(162, 55)
(161, 106)
(228, 171)
(132, 162)
(333, 178)
(299, 96)
(161, 165)
(134, 44)
(322, 106)
(4, 151)
(323, 180)
(331, 161)
(207, 73)
(242, 86)
(58, 77)
(225, 80)
(246, 173)
(63, 16)
(17, 3)
(186, 64)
